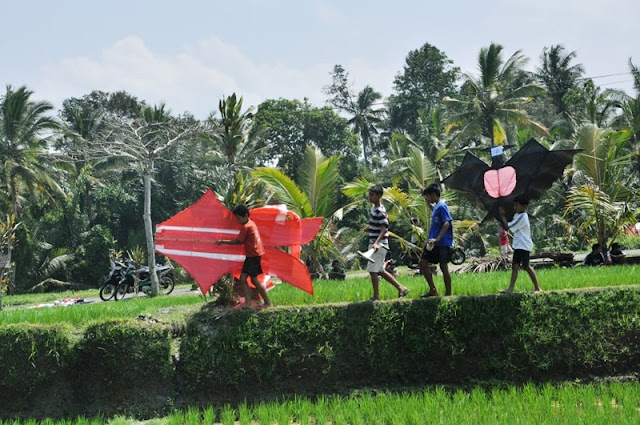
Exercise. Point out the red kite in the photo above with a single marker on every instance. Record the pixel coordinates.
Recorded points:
(189, 238)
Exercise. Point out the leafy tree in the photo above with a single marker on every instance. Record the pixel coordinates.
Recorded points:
(287, 127)
(340, 90)
(119, 104)
(427, 77)
(488, 103)
(142, 142)
(558, 74)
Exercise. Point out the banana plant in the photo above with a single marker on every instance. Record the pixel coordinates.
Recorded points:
(314, 195)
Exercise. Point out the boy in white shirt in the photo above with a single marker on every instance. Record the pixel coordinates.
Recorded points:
(522, 243)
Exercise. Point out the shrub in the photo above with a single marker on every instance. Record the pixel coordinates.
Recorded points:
(30, 355)
(117, 361)
(516, 338)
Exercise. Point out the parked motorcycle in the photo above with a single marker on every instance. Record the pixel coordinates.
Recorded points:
(135, 280)
(108, 288)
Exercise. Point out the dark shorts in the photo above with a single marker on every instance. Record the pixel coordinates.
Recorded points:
(520, 256)
(252, 266)
(438, 255)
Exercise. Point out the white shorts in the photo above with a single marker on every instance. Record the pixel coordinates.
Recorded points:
(378, 257)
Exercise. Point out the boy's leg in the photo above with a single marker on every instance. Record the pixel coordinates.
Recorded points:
(261, 290)
(447, 278)
(426, 272)
(534, 279)
(514, 276)
(376, 267)
(246, 290)
(375, 282)
(402, 290)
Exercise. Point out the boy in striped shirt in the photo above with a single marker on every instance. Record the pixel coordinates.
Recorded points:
(379, 240)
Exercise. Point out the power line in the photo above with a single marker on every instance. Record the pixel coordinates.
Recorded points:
(560, 81)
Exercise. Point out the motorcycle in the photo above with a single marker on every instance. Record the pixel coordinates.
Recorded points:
(108, 288)
(136, 280)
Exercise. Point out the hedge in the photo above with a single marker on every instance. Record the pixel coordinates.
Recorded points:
(128, 366)
(562, 335)
(114, 366)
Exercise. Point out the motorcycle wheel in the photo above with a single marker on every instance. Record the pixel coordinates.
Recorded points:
(458, 256)
(166, 285)
(107, 291)
(120, 292)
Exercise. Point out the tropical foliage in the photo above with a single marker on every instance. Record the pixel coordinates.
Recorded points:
(109, 167)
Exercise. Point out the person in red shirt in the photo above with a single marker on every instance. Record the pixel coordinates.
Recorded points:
(503, 239)
(250, 237)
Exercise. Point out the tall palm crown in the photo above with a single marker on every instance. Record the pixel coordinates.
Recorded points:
(366, 117)
(24, 133)
(231, 138)
(488, 103)
(558, 75)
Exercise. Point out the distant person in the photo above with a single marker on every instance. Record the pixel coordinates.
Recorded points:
(249, 236)
(616, 254)
(439, 242)
(378, 234)
(595, 257)
(391, 267)
(503, 240)
(316, 271)
(413, 255)
(522, 243)
(336, 272)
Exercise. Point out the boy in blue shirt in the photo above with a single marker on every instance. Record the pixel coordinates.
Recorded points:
(438, 249)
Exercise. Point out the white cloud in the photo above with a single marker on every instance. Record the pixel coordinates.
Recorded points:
(193, 79)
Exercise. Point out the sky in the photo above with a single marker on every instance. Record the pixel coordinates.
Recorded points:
(191, 53)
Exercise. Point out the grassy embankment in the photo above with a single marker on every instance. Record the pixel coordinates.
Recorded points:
(177, 308)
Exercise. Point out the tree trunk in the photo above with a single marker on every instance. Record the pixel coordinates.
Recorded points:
(364, 151)
(148, 230)
(490, 130)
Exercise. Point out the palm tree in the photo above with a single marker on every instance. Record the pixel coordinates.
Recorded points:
(599, 203)
(488, 103)
(82, 125)
(232, 141)
(629, 116)
(558, 75)
(593, 105)
(25, 130)
(365, 118)
(315, 195)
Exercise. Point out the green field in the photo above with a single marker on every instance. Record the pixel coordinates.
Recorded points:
(610, 403)
(569, 403)
(356, 289)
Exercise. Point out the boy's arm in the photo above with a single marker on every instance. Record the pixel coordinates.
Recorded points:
(228, 242)
(444, 229)
(376, 243)
(238, 241)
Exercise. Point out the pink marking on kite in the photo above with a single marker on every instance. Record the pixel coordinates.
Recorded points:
(500, 182)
